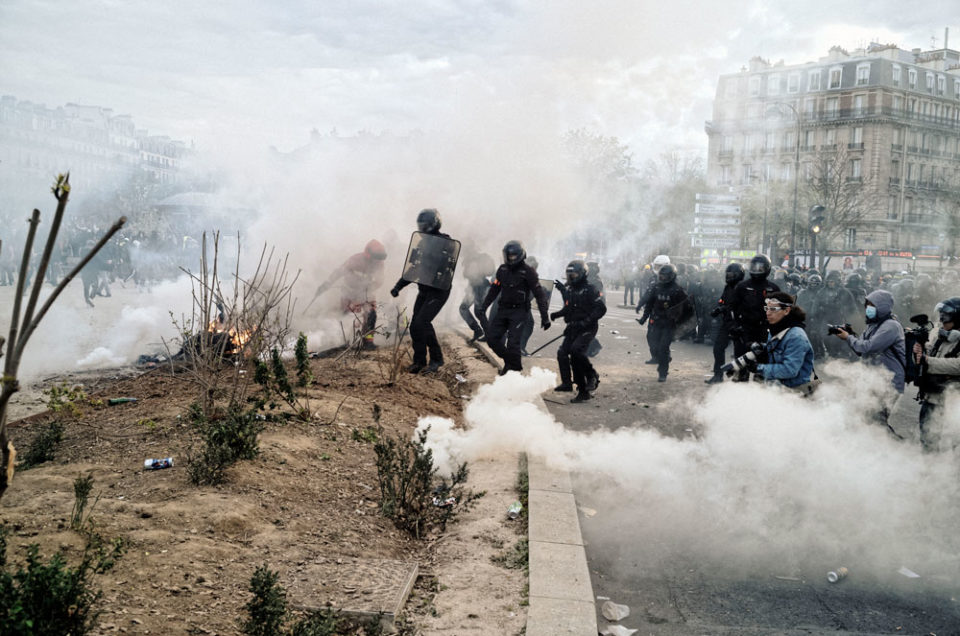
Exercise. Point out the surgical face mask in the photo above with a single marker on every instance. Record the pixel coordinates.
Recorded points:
(871, 312)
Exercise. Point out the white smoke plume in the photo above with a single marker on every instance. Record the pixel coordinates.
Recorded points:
(769, 479)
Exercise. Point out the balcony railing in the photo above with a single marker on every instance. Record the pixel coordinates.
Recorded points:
(828, 146)
(808, 148)
(858, 145)
(854, 179)
(894, 180)
(725, 153)
(896, 146)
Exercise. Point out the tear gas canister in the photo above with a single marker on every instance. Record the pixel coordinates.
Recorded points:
(837, 575)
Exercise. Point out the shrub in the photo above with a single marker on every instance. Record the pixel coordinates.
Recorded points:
(223, 441)
(43, 447)
(410, 493)
(52, 597)
(267, 609)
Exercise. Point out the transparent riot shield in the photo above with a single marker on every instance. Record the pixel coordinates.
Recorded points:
(431, 260)
(547, 287)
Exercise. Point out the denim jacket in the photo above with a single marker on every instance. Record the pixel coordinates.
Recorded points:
(789, 358)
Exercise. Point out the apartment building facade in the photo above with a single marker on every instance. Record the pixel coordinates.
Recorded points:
(891, 116)
(96, 146)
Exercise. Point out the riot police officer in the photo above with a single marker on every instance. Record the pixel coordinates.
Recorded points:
(477, 271)
(938, 368)
(748, 301)
(666, 306)
(515, 282)
(583, 307)
(723, 312)
(430, 301)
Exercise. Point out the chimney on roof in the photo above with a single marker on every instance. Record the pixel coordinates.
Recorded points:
(946, 37)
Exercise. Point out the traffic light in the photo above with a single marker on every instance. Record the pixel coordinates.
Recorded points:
(817, 218)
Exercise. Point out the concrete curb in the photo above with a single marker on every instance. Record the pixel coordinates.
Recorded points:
(561, 595)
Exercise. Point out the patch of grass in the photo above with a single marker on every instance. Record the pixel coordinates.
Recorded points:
(82, 487)
(367, 434)
(43, 447)
(515, 558)
(66, 399)
(523, 485)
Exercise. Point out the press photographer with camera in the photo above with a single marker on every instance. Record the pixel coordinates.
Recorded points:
(787, 356)
(939, 368)
(882, 342)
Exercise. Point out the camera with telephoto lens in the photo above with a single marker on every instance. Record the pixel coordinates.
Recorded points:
(747, 361)
(919, 334)
(833, 330)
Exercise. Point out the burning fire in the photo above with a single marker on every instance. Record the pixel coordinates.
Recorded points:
(238, 337)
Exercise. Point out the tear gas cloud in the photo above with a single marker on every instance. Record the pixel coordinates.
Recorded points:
(778, 486)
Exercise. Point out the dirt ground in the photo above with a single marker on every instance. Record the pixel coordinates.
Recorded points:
(310, 495)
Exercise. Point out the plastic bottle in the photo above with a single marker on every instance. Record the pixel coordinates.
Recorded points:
(157, 464)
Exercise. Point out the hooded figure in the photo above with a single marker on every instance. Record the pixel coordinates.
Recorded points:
(882, 342)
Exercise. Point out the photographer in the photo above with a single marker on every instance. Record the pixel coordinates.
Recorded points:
(938, 368)
(882, 342)
(789, 356)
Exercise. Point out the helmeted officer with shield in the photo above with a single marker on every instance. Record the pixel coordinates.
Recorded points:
(431, 261)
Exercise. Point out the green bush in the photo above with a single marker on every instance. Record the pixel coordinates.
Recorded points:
(411, 494)
(43, 447)
(223, 441)
(52, 597)
(267, 609)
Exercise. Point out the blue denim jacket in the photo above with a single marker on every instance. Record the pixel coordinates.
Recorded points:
(789, 358)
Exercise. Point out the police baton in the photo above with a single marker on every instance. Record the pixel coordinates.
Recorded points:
(546, 344)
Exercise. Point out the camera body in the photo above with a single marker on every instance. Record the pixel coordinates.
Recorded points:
(919, 334)
(747, 361)
(833, 330)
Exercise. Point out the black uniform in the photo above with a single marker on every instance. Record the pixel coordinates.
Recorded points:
(583, 307)
(478, 284)
(666, 306)
(725, 322)
(423, 338)
(512, 284)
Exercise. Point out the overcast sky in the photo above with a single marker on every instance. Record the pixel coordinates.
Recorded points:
(269, 72)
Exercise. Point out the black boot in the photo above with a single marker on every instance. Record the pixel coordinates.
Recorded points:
(717, 378)
(593, 382)
(581, 396)
(564, 387)
(416, 367)
(652, 361)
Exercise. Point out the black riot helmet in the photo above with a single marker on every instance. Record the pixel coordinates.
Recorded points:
(667, 274)
(576, 272)
(734, 273)
(815, 282)
(949, 310)
(759, 267)
(513, 252)
(833, 278)
(428, 221)
(855, 281)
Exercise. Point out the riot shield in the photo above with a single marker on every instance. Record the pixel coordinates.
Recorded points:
(547, 287)
(431, 260)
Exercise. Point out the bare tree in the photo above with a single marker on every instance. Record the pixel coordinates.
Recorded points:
(23, 325)
(848, 197)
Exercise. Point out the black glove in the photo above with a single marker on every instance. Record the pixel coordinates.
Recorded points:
(760, 352)
(395, 291)
(554, 315)
(736, 331)
(544, 324)
(642, 320)
(716, 312)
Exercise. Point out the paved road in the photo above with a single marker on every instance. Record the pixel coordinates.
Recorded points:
(666, 580)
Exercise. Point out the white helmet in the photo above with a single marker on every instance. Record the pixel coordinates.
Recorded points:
(660, 261)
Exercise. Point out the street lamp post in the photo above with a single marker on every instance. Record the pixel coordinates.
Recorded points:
(796, 177)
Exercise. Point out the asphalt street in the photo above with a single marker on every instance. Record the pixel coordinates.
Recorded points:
(671, 590)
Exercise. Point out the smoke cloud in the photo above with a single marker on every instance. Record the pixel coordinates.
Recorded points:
(781, 485)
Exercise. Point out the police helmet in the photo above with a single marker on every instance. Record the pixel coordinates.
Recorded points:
(759, 267)
(667, 274)
(855, 281)
(375, 250)
(576, 272)
(734, 273)
(428, 221)
(513, 252)
(794, 279)
(815, 282)
(949, 310)
(660, 261)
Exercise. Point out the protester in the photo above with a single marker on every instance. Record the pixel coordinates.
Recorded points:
(938, 369)
(788, 356)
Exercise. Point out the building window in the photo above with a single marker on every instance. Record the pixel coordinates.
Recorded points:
(747, 144)
(807, 170)
(789, 139)
(833, 106)
(850, 239)
(793, 83)
(785, 169)
(941, 84)
(810, 105)
(769, 141)
(897, 102)
(893, 207)
(767, 172)
(747, 173)
(956, 89)
(857, 136)
(724, 175)
(773, 84)
(813, 83)
(929, 82)
(912, 77)
(836, 74)
(858, 102)
(863, 74)
(855, 169)
(830, 138)
(896, 75)
(809, 139)
(754, 86)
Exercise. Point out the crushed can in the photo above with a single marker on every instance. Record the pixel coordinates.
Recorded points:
(158, 464)
(514, 510)
(837, 575)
